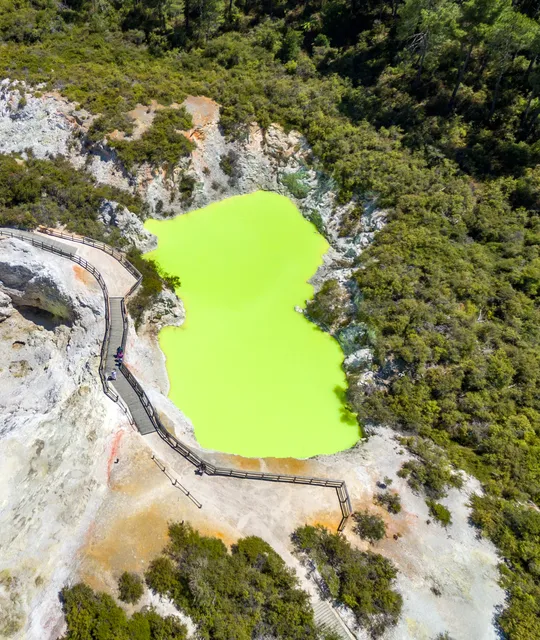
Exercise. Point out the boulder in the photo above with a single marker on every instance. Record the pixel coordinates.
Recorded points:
(130, 226)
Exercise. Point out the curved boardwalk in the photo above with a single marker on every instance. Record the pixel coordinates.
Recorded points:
(127, 391)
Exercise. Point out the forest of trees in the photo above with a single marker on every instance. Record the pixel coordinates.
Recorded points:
(431, 108)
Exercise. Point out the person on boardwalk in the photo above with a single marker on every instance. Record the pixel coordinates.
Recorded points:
(113, 375)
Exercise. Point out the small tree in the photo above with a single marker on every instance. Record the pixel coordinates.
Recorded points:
(369, 526)
(130, 587)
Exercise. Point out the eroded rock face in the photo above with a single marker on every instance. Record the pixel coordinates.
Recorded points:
(6, 308)
(30, 281)
(45, 124)
(168, 310)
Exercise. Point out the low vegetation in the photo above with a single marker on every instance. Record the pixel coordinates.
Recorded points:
(296, 184)
(327, 307)
(52, 192)
(96, 616)
(439, 512)
(369, 526)
(390, 500)
(361, 580)
(163, 143)
(430, 471)
(153, 282)
(230, 165)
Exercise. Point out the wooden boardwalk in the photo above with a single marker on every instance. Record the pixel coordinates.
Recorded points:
(127, 391)
(327, 617)
(121, 385)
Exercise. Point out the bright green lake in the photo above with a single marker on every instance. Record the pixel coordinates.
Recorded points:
(253, 375)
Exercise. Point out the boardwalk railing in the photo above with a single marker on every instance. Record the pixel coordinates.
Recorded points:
(117, 255)
(202, 465)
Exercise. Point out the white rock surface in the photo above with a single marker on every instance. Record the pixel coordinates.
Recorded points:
(45, 124)
(6, 308)
(168, 310)
(31, 281)
(55, 428)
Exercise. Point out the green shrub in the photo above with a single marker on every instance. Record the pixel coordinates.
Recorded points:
(326, 307)
(186, 187)
(52, 192)
(246, 593)
(130, 587)
(153, 281)
(161, 144)
(439, 512)
(431, 471)
(369, 526)
(294, 183)
(95, 616)
(316, 218)
(230, 165)
(390, 501)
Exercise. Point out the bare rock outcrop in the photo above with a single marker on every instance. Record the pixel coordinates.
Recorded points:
(44, 124)
(29, 281)
(167, 310)
(130, 226)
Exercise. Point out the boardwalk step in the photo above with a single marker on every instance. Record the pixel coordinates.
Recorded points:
(326, 616)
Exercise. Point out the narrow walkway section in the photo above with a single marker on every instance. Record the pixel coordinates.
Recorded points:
(117, 338)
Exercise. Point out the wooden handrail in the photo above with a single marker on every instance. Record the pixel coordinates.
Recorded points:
(202, 465)
(115, 253)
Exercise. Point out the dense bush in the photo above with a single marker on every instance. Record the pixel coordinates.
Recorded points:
(369, 526)
(431, 471)
(246, 593)
(327, 307)
(130, 587)
(52, 192)
(162, 143)
(295, 184)
(96, 616)
(361, 580)
(153, 281)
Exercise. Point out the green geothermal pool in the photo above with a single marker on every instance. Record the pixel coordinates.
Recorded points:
(253, 375)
